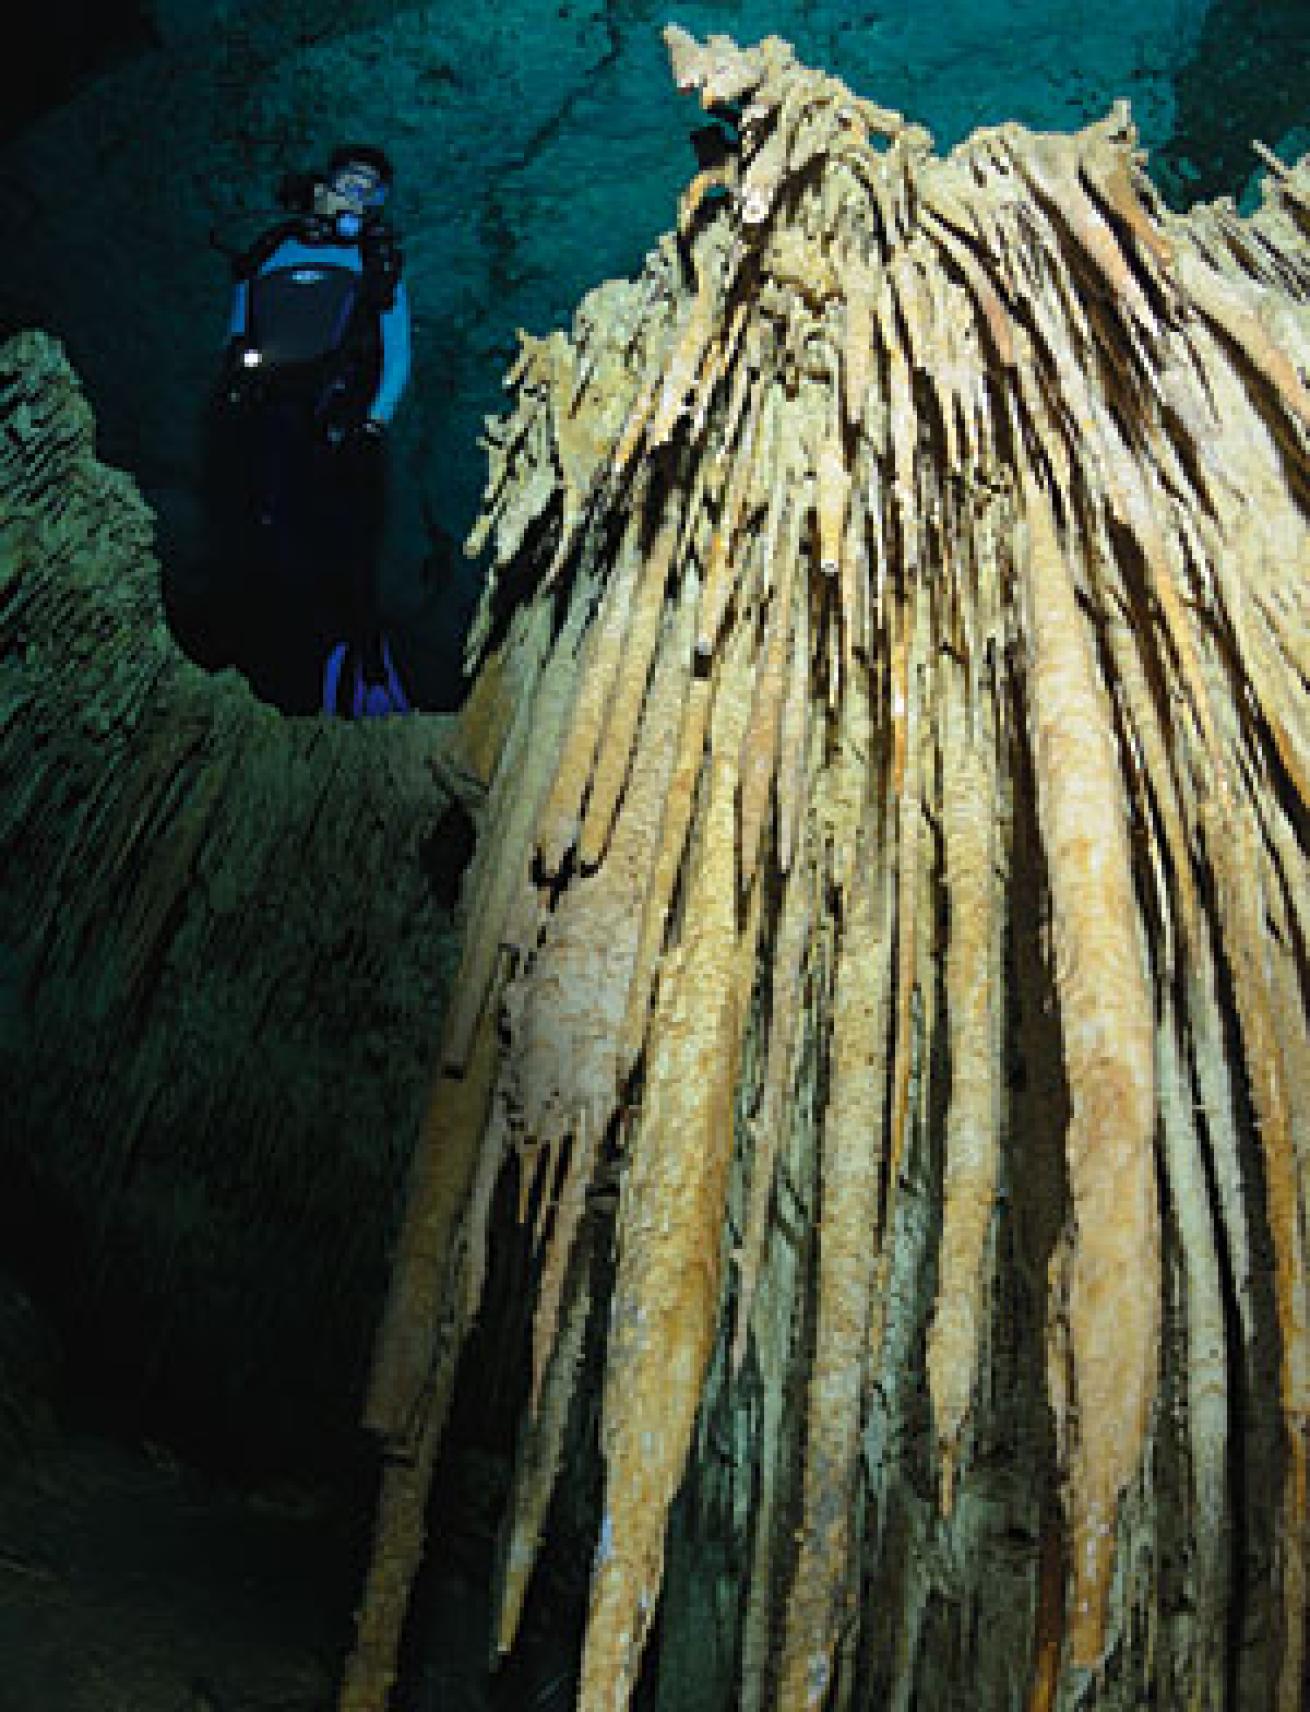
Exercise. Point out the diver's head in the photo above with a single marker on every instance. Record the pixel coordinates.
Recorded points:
(357, 184)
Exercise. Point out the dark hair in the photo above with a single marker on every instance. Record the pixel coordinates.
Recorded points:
(362, 154)
(295, 191)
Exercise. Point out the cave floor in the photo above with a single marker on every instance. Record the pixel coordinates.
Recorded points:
(131, 1584)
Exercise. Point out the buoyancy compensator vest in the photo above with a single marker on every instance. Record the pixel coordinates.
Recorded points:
(313, 325)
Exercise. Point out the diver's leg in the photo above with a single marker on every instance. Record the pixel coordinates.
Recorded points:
(203, 598)
(281, 667)
(353, 494)
(370, 501)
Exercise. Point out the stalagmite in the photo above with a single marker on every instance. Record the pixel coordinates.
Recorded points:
(928, 652)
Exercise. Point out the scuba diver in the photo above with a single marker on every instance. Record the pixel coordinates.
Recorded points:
(318, 358)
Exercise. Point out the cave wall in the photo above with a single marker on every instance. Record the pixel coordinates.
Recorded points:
(1247, 77)
(227, 938)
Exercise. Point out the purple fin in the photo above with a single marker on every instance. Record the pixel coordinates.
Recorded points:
(336, 661)
(399, 700)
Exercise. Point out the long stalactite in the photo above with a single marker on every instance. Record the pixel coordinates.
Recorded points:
(898, 631)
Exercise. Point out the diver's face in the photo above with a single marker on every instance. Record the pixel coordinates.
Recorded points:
(357, 186)
(347, 196)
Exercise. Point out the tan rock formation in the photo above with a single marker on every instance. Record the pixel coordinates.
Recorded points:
(910, 634)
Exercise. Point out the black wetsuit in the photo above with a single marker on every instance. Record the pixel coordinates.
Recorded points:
(299, 484)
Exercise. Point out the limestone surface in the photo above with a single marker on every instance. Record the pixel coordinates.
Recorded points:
(894, 890)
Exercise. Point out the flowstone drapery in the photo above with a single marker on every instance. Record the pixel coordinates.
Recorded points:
(894, 879)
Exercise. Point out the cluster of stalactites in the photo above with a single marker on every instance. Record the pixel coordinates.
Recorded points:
(888, 468)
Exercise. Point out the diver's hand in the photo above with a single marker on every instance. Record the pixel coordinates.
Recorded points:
(240, 383)
(336, 431)
(352, 435)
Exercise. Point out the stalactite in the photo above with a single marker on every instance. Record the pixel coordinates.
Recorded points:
(621, 718)
(1235, 871)
(760, 746)
(1205, 1359)
(785, 1015)
(540, 1451)
(499, 884)
(561, 814)
(907, 742)
(926, 500)
(849, 1196)
(970, 830)
(667, 1289)
(1106, 1007)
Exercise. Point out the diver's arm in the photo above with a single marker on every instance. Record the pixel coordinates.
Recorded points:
(274, 249)
(395, 358)
(236, 321)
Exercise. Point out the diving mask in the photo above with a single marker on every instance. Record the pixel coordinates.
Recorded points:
(358, 185)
